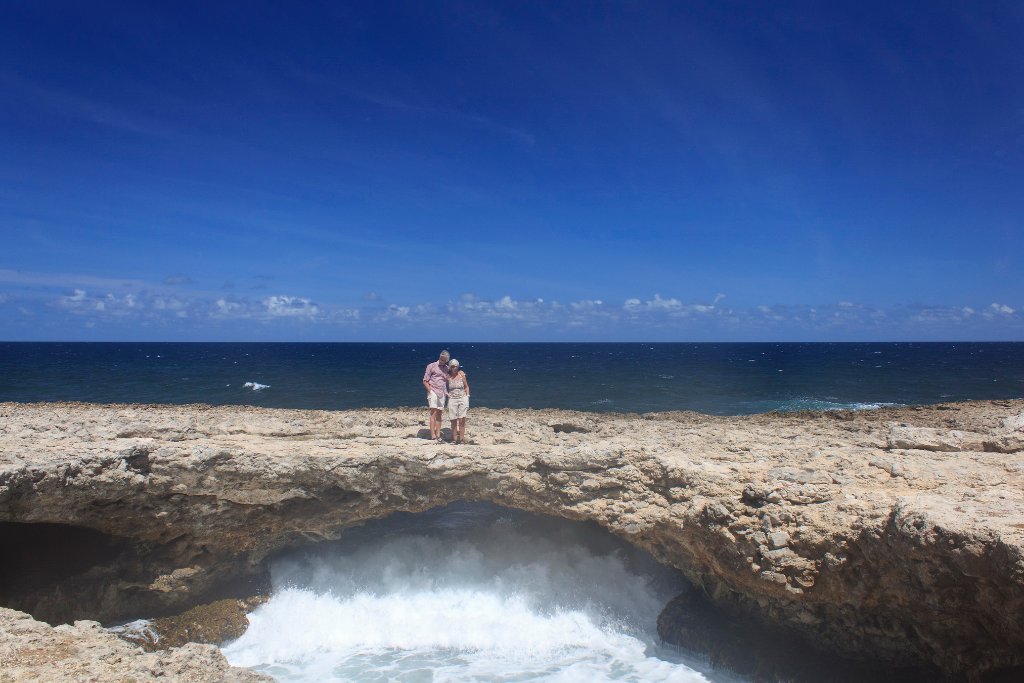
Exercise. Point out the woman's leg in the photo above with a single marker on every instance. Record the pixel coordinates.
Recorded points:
(455, 431)
(462, 430)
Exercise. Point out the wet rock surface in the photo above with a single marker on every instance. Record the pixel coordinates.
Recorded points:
(893, 534)
(767, 653)
(214, 623)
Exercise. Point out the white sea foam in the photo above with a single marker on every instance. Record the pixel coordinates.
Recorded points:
(139, 629)
(491, 603)
(255, 386)
(825, 405)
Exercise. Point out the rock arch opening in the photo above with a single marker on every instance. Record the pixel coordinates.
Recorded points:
(54, 571)
(473, 587)
(60, 573)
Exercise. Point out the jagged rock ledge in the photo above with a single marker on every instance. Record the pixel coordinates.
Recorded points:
(34, 651)
(891, 534)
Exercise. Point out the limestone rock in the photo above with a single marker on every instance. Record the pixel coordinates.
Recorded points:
(854, 531)
(33, 651)
(1014, 423)
(932, 439)
(778, 539)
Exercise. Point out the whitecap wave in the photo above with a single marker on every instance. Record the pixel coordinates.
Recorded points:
(824, 405)
(494, 602)
(255, 386)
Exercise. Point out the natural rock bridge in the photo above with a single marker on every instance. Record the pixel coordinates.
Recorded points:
(894, 534)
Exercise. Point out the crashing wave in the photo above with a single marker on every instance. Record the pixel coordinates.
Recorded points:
(796, 404)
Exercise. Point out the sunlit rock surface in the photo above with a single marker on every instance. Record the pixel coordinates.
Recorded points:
(33, 651)
(893, 533)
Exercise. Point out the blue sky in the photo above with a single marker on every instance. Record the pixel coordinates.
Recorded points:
(511, 171)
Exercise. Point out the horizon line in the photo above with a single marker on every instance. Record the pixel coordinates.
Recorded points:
(562, 341)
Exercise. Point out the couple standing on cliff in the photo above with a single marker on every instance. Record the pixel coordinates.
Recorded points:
(444, 379)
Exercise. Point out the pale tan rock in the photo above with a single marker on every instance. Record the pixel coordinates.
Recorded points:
(33, 651)
(931, 439)
(1014, 423)
(892, 534)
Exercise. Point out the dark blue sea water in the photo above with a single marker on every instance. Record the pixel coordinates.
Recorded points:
(711, 378)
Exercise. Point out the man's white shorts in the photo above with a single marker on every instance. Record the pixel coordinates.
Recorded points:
(434, 401)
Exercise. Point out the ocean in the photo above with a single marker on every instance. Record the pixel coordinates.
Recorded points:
(722, 379)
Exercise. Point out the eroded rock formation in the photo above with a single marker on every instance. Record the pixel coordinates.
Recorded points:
(33, 651)
(894, 534)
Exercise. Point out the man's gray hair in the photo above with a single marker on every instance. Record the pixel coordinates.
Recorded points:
(444, 354)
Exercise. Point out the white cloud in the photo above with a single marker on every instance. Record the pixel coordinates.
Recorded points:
(171, 305)
(80, 302)
(290, 306)
(400, 312)
(229, 309)
(168, 304)
(1002, 309)
(470, 308)
(345, 315)
(273, 308)
(656, 304)
(669, 306)
(769, 313)
(665, 314)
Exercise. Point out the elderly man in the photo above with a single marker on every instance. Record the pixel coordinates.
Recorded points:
(435, 381)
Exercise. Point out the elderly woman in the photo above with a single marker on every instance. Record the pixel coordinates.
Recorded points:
(458, 401)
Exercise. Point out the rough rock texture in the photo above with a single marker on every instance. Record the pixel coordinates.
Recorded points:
(893, 534)
(214, 623)
(34, 651)
(765, 653)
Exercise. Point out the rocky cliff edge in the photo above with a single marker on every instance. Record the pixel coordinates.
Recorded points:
(895, 533)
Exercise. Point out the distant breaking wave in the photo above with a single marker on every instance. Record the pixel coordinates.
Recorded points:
(256, 386)
(796, 404)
